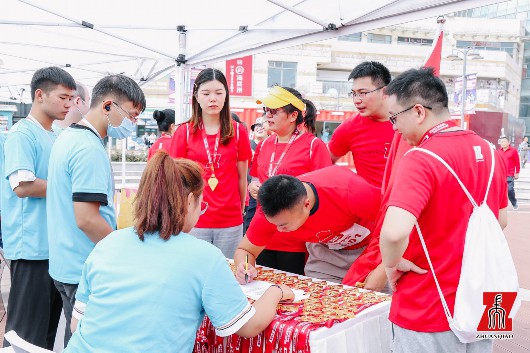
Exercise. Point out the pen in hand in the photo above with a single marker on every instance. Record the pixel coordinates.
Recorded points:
(246, 268)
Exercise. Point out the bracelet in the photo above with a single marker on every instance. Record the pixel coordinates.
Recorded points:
(280, 288)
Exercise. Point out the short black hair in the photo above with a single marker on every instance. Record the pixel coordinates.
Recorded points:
(48, 78)
(81, 91)
(123, 88)
(164, 119)
(375, 70)
(419, 86)
(279, 193)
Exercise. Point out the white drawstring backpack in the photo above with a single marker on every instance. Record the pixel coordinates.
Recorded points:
(487, 264)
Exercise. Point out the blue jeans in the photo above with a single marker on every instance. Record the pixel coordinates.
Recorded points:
(511, 190)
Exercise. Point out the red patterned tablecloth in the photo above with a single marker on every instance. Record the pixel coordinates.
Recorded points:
(328, 304)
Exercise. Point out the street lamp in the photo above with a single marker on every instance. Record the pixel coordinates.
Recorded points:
(456, 57)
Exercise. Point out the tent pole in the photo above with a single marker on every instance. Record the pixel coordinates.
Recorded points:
(180, 66)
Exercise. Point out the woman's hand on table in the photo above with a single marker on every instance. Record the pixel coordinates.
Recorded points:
(253, 188)
(287, 293)
(241, 272)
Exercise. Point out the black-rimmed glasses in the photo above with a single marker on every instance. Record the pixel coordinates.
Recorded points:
(361, 95)
(132, 118)
(393, 117)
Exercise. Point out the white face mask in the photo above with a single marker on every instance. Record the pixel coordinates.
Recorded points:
(125, 129)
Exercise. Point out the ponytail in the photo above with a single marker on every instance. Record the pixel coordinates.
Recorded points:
(310, 116)
(161, 203)
(310, 111)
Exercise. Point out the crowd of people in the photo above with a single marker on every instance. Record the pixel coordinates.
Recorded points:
(209, 193)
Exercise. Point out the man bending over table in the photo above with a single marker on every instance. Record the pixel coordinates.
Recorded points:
(332, 206)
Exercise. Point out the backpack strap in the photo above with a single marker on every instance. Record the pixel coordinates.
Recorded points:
(187, 132)
(440, 293)
(451, 170)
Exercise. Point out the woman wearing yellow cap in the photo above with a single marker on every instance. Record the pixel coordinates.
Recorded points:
(293, 150)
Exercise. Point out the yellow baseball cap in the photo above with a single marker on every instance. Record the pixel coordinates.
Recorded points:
(279, 97)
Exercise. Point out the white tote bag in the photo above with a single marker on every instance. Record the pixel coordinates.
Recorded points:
(487, 265)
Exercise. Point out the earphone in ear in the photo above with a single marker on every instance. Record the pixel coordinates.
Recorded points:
(107, 108)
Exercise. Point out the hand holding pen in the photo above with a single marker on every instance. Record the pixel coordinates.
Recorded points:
(245, 271)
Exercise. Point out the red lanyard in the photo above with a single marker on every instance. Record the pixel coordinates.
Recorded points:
(436, 129)
(273, 171)
(211, 159)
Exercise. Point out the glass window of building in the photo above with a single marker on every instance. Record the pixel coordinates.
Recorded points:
(354, 37)
(509, 47)
(415, 41)
(379, 38)
(281, 73)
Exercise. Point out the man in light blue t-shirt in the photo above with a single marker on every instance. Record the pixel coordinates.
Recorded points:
(80, 183)
(80, 106)
(34, 305)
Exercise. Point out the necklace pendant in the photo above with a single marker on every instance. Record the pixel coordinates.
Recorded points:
(212, 182)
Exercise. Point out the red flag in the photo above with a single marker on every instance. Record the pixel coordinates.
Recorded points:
(435, 56)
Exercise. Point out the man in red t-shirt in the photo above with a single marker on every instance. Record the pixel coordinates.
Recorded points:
(368, 135)
(332, 206)
(425, 192)
(513, 167)
(367, 270)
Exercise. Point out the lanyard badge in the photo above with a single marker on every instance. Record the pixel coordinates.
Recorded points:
(212, 181)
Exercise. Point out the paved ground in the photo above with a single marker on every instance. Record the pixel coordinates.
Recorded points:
(518, 235)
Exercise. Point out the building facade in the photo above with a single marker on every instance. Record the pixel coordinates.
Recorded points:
(518, 10)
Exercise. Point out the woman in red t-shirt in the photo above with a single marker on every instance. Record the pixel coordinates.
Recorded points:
(166, 125)
(222, 147)
(291, 151)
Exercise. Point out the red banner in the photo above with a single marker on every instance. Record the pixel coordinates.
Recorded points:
(239, 76)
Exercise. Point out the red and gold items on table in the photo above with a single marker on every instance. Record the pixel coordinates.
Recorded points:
(327, 305)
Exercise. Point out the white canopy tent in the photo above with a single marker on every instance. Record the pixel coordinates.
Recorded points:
(148, 39)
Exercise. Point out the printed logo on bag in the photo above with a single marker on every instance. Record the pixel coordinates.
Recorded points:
(496, 313)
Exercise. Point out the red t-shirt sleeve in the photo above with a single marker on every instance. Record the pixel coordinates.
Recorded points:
(260, 230)
(339, 144)
(179, 142)
(151, 152)
(516, 161)
(500, 166)
(244, 150)
(254, 164)
(413, 184)
(320, 157)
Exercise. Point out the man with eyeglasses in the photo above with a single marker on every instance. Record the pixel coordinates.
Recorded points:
(425, 192)
(367, 136)
(81, 183)
(80, 106)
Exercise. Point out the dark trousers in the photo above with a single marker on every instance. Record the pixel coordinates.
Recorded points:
(251, 211)
(511, 190)
(67, 292)
(293, 262)
(34, 304)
